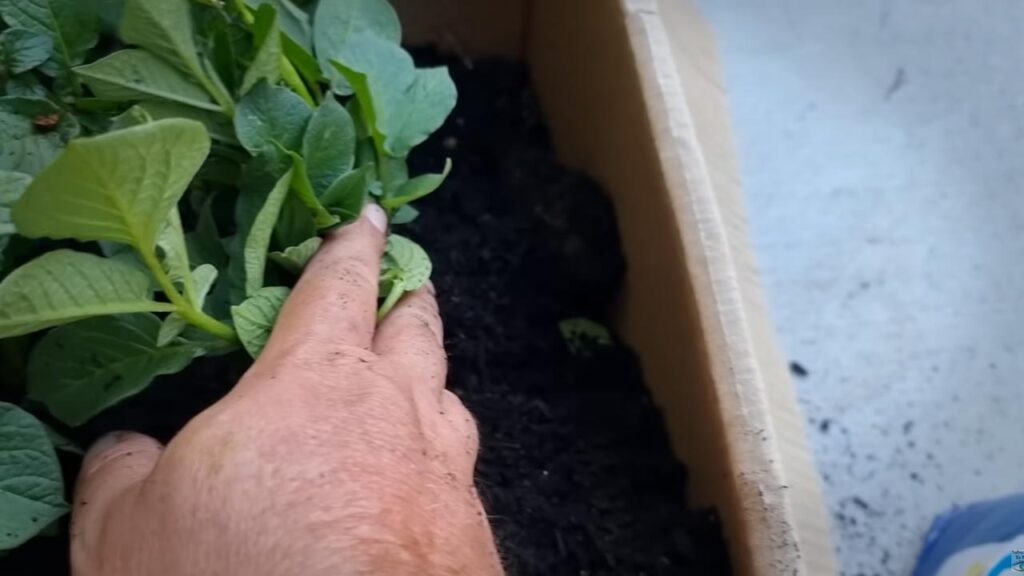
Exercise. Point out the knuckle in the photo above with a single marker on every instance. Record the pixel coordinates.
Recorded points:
(462, 420)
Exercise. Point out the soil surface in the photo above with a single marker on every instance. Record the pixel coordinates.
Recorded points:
(575, 469)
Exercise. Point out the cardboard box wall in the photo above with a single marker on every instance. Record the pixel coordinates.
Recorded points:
(632, 95)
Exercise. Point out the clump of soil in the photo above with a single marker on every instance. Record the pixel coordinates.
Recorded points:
(575, 469)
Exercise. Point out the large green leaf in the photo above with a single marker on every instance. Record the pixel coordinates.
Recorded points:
(12, 186)
(257, 242)
(217, 125)
(254, 318)
(329, 145)
(119, 187)
(402, 104)
(163, 27)
(338, 21)
(63, 286)
(81, 369)
(31, 484)
(22, 50)
(295, 258)
(266, 62)
(23, 148)
(71, 25)
(133, 74)
(269, 114)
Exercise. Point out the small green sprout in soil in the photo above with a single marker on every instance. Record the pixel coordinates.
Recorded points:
(167, 170)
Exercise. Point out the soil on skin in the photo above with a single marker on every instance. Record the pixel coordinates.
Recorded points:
(575, 469)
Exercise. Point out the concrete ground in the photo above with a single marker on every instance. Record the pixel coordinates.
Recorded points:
(881, 145)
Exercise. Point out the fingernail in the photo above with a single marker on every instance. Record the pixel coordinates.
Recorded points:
(375, 214)
(106, 442)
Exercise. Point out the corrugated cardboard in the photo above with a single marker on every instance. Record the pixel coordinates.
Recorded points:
(632, 95)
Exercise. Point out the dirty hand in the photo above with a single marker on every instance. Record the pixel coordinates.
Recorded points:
(338, 453)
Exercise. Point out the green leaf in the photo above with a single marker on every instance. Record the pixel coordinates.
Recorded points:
(266, 63)
(23, 50)
(173, 325)
(257, 242)
(583, 335)
(259, 177)
(164, 28)
(40, 109)
(347, 196)
(109, 12)
(62, 442)
(295, 258)
(393, 173)
(303, 189)
(338, 21)
(23, 148)
(416, 188)
(217, 125)
(81, 369)
(269, 114)
(295, 224)
(294, 21)
(227, 44)
(12, 186)
(25, 85)
(71, 25)
(329, 145)
(204, 243)
(174, 255)
(5, 240)
(401, 104)
(64, 286)
(119, 187)
(405, 214)
(133, 74)
(410, 260)
(254, 318)
(31, 484)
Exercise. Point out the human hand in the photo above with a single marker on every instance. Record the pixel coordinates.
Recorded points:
(338, 453)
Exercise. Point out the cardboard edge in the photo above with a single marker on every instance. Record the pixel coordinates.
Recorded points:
(779, 490)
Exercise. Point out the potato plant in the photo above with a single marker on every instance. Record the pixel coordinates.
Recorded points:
(167, 168)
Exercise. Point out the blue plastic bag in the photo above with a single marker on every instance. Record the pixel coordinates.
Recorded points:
(983, 539)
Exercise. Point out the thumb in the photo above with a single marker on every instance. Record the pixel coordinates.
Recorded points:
(115, 465)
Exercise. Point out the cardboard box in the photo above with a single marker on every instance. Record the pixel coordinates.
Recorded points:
(632, 95)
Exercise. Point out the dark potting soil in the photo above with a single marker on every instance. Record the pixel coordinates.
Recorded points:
(575, 468)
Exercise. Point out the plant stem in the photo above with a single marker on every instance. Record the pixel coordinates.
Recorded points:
(244, 12)
(189, 313)
(224, 101)
(397, 290)
(294, 81)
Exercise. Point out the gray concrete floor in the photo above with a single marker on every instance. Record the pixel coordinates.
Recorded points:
(882, 153)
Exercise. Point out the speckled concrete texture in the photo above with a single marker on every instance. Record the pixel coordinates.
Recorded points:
(881, 146)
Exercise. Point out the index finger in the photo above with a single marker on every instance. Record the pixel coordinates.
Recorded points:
(335, 300)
